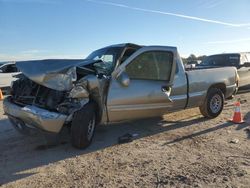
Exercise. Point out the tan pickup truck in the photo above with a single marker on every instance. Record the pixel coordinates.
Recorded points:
(115, 83)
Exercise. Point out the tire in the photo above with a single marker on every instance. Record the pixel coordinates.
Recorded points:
(83, 126)
(213, 104)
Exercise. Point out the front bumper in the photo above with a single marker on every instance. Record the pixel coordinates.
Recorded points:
(35, 117)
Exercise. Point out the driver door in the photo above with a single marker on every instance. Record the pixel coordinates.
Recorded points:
(141, 86)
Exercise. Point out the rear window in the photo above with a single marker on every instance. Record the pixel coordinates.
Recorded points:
(152, 65)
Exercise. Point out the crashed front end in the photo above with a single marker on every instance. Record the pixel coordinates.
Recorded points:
(48, 94)
(35, 117)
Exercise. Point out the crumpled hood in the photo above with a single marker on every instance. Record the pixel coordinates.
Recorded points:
(57, 74)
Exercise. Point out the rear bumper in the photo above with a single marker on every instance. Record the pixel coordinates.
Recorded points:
(231, 90)
(35, 117)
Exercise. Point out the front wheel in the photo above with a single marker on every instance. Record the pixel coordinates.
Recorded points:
(213, 104)
(83, 126)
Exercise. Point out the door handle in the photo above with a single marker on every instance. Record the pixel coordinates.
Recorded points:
(165, 88)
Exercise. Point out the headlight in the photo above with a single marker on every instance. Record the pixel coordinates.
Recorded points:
(79, 92)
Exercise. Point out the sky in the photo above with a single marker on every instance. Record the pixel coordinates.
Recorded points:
(42, 29)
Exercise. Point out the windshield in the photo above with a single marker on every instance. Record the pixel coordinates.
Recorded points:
(221, 60)
(108, 57)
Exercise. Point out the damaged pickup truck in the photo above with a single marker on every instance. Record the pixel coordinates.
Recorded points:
(113, 84)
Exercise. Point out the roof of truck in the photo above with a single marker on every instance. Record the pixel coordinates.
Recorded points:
(125, 45)
(132, 45)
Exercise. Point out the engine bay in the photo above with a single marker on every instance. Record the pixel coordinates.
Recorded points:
(26, 92)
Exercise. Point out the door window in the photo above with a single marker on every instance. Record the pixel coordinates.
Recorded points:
(10, 68)
(153, 65)
(13, 69)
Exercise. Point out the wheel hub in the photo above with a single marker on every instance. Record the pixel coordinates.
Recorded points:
(216, 103)
(91, 128)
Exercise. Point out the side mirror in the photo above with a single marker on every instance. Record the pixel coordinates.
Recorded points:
(123, 79)
(246, 64)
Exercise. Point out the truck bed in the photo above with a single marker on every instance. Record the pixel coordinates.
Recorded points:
(198, 81)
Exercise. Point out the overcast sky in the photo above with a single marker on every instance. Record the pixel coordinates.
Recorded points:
(39, 29)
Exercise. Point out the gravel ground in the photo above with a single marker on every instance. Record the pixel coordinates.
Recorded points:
(179, 150)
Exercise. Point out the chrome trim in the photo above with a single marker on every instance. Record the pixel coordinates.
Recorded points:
(178, 97)
(117, 108)
(36, 117)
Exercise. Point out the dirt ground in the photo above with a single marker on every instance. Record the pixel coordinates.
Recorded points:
(180, 150)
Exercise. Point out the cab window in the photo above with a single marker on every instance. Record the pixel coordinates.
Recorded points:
(153, 65)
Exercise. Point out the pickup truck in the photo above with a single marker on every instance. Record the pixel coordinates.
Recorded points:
(7, 71)
(241, 61)
(116, 83)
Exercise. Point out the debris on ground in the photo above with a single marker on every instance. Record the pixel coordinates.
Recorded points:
(125, 138)
(243, 101)
(235, 141)
(247, 130)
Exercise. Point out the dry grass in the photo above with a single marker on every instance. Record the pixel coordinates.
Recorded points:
(181, 150)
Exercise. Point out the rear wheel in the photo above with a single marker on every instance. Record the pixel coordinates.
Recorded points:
(83, 126)
(213, 104)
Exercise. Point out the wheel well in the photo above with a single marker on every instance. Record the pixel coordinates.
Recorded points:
(220, 86)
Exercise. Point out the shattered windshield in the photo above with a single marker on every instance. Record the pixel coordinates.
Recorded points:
(221, 60)
(108, 57)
